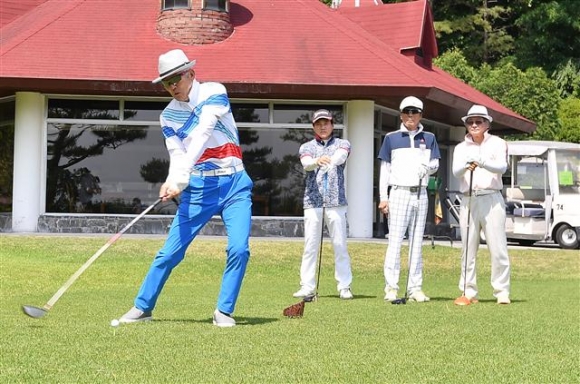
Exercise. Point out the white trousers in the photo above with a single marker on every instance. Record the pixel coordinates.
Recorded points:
(336, 225)
(403, 206)
(487, 212)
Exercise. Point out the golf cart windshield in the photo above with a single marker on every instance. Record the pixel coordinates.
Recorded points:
(568, 163)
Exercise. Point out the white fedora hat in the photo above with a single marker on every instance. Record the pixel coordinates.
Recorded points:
(477, 110)
(173, 62)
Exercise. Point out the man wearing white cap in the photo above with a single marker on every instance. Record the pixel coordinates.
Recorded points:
(478, 162)
(408, 156)
(324, 160)
(206, 169)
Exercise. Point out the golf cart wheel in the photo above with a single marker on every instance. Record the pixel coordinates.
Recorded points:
(567, 237)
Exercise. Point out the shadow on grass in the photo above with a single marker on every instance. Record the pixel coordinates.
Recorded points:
(239, 320)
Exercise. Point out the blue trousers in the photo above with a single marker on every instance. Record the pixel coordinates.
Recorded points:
(230, 196)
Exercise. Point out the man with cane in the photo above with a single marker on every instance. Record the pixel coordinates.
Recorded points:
(408, 156)
(324, 160)
(478, 162)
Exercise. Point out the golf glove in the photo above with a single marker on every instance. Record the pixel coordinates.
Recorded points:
(423, 171)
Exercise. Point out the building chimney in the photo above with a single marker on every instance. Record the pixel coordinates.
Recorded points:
(194, 22)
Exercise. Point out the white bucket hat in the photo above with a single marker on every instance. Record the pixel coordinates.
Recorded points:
(477, 110)
(411, 101)
(173, 62)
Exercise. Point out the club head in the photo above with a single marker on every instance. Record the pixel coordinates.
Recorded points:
(33, 312)
(462, 301)
(310, 298)
(400, 301)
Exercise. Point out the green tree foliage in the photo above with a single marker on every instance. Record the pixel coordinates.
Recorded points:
(569, 113)
(548, 34)
(530, 93)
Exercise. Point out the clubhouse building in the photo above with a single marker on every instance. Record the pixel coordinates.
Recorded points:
(81, 147)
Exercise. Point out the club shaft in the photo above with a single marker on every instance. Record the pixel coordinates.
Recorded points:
(412, 239)
(88, 263)
(466, 251)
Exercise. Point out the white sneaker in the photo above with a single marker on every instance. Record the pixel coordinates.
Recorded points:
(390, 294)
(503, 299)
(222, 320)
(304, 292)
(135, 315)
(346, 294)
(419, 297)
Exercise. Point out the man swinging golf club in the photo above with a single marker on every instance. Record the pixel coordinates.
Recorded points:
(408, 156)
(478, 162)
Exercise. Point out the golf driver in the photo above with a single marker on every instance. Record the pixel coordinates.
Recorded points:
(464, 300)
(315, 296)
(37, 312)
(403, 300)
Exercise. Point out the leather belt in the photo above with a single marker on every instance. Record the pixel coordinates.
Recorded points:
(219, 172)
(411, 189)
(481, 192)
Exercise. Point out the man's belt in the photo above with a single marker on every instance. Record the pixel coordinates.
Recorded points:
(412, 189)
(219, 172)
(481, 192)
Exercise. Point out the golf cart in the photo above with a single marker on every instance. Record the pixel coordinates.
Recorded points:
(543, 195)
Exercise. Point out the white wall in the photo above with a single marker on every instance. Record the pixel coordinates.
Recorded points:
(29, 154)
(359, 188)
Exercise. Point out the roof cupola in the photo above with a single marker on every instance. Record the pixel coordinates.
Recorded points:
(195, 21)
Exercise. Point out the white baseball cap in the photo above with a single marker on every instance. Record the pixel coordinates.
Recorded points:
(411, 101)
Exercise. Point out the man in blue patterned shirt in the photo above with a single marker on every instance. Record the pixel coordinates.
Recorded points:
(324, 160)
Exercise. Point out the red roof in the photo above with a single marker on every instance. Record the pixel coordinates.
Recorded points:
(299, 48)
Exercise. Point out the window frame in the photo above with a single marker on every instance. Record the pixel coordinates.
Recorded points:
(165, 7)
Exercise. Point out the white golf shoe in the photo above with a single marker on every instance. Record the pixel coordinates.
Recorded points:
(135, 315)
(390, 294)
(346, 294)
(222, 320)
(304, 292)
(419, 297)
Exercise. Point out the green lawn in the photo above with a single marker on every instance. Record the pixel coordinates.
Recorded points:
(365, 340)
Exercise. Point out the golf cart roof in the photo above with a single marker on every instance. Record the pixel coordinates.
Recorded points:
(537, 148)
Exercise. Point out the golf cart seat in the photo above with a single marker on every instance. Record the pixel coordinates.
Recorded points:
(537, 213)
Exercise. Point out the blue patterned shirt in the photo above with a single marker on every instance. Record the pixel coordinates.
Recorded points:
(324, 188)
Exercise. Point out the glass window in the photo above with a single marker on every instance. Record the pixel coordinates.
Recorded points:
(143, 110)
(6, 154)
(272, 161)
(250, 113)
(568, 166)
(105, 168)
(114, 168)
(216, 5)
(83, 109)
(302, 114)
(174, 4)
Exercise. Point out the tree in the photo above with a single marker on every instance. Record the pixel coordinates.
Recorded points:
(548, 34)
(569, 113)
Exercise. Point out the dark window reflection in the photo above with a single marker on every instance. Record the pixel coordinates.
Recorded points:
(6, 154)
(83, 109)
(171, 4)
(272, 161)
(215, 5)
(143, 110)
(94, 168)
(302, 114)
(250, 113)
(105, 168)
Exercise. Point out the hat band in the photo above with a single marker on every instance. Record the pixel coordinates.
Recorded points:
(172, 70)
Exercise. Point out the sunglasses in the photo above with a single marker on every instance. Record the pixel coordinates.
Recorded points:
(469, 123)
(173, 80)
(412, 111)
